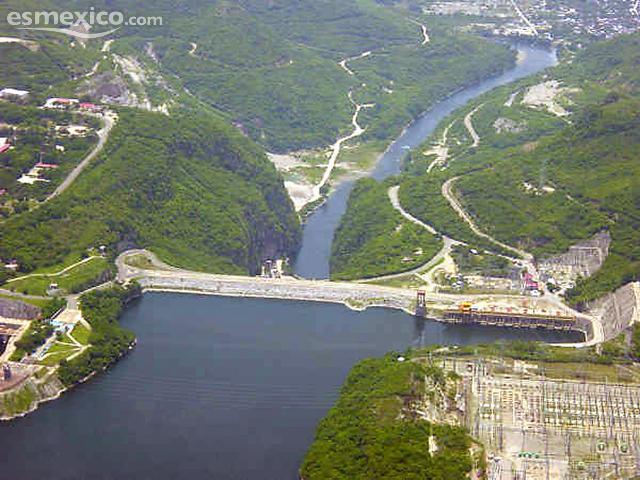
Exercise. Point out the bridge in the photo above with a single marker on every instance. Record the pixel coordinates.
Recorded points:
(517, 311)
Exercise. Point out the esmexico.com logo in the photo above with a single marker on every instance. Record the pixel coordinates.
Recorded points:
(78, 24)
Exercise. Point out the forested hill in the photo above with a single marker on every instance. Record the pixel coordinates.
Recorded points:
(548, 175)
(556, 162)
(273, 67)
(189, 187)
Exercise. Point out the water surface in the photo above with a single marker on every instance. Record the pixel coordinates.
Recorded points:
(220, 388)
(232, 389)
(313, 259)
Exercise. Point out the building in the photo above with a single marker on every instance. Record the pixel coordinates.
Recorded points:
(529, 283)
(60, 102)
(90, 107)
(4, 144)
(12, 265)
(46, 165)
(13, 94)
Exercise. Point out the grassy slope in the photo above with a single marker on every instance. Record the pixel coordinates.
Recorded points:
(72, 280)
(188, 187)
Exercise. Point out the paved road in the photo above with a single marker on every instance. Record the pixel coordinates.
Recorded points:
(55, 274)
(469, 126)
(425, 267)
(447, 192)
(109, 120)
(357, 295)
(395, 201)
(524, 18)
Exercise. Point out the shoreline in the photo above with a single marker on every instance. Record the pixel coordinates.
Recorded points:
(430, 315)
(335, 182)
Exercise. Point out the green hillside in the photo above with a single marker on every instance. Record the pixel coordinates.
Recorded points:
(373, 431)
(272, 67)
(375, 239)
(188, 187)
(543, 182)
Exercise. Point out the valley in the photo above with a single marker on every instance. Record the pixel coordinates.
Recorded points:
(460, 176)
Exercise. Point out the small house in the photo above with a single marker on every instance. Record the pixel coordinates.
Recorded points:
(13, 94)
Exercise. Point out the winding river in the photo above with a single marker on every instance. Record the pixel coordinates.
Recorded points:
(231, 388)
(313, 259)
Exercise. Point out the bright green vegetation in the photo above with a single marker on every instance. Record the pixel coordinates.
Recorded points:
(57, 353)
(38, 302)
(422, 197)
(83, 276)
(612, 352)
(48, 61)
(81, 334)
(374, 239)
(371, 432)
(635, 341)
(273, 69)
(19, 401)
(36, 335)
(541, 183)
(188, 187)
(65, 346)
(481, 263)
(39, 330)
(34, 138)
(109, 341)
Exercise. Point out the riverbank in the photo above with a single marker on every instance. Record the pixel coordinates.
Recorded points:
(311, 176)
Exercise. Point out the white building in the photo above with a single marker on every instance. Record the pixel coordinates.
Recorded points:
(13, 93)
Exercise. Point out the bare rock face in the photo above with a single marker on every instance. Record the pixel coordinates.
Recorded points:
(583, 259)
(618, 310)
(17, 309)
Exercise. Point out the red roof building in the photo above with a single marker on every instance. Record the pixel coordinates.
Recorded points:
(5, 147)
(46, 165)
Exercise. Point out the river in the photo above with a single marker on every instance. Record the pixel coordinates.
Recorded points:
(313, 259)
(230, 388)
(220, 388)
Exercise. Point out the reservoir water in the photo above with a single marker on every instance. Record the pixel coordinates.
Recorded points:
(313, 259)
(219, 388)
(232, 389)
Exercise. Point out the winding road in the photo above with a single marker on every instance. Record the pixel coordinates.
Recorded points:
(109, 120)
(447, 192)
(425, 268)
(469, 126)
(345, 67)
(55, 274)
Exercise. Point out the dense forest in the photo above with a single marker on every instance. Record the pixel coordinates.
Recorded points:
(373, 239)
(591, 164)
(188, 187)
(370, 433)
(540, 181)
(272, 67)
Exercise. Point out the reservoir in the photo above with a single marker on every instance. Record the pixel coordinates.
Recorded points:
(220, 388)
(313, 259)
(230, 388)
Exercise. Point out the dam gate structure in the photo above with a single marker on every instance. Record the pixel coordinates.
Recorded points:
(467, 314)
